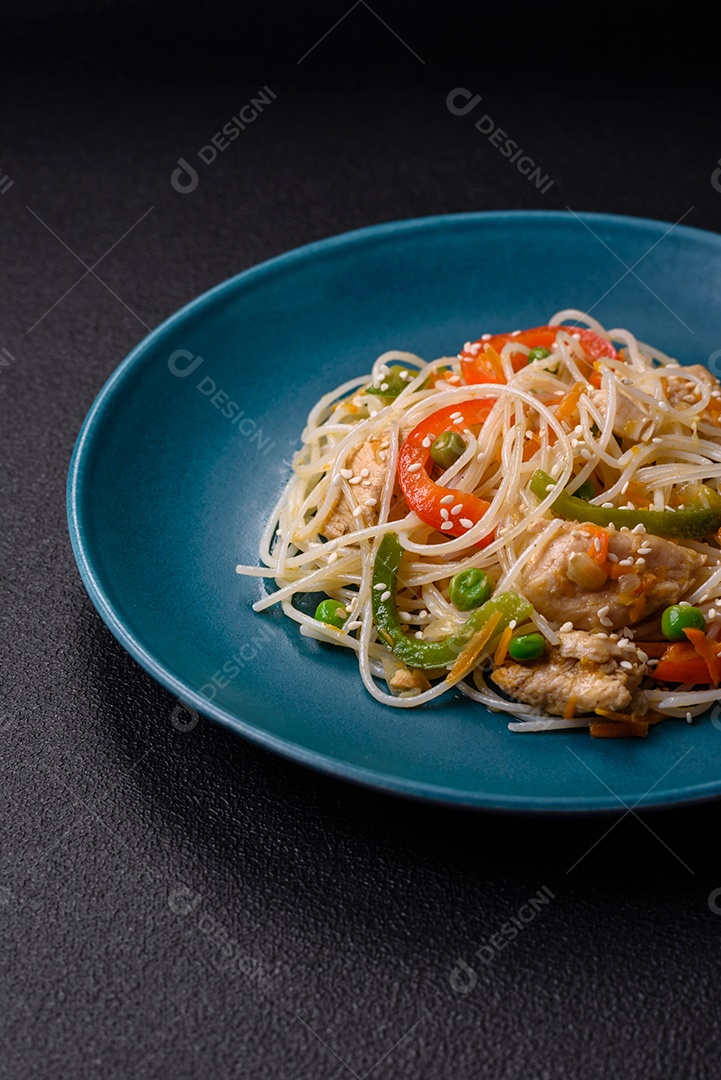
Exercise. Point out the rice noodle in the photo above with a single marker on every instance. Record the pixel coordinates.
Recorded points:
(679, 444)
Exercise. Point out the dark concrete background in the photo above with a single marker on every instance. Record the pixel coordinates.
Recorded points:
(183, 904)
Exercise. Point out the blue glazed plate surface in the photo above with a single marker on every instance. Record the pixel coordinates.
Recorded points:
(170, 486)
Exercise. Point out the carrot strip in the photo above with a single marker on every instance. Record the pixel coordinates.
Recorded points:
(570, 711)
(569, 403)
(615, 729)
(465, 659)
(706, 651)
(502, 648)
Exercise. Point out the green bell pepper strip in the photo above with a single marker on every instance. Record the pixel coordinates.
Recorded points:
(700, 518)
(430, 654)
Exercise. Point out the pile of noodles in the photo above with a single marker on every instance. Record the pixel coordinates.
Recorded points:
(677, 447)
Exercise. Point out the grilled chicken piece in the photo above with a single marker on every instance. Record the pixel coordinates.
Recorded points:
(631, 420)
(584, 671)
(367, 457)
(682, 392)
(409, 679)
(658, 577)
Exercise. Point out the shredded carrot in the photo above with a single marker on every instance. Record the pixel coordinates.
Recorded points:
(598, 552)
(532, 447)
(570, 711)
(569, 403)
(639, 605)
(654, 649)
(618, 729)
(704, 648)
(502, 648)
(466, 657)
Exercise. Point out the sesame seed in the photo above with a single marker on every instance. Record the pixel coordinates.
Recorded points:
(712, 613)
(645, 550)
(457, 509)
(383, 455)
(333, 556)
(365, 483)
(640, 528)
(365, 472)
(607, 506)
(626, 562)
(550, 487)
(684, 603)
(423, 614)
(444, 514)
(512, 624)
(466, 523)
(415, 467)
(346, 473)
(404, 375)
(486, 337)
(458, 420)
(453, 378)
(427, 442)
(627, 665)
(358, 511)
(385, 596)
(354, 480)
(353, 625)
(379, 587)
(643, 657)
(624, 489)
(612, 557)
(446, 526)
(566, 628)
(405, 616)
(657, 440)
(604, 610)
(419, 635)
(371, 502)
(447, 500)
(597, 543)
(605, 621)
(529, 435)
(456, 414)
(384, 386)
(689, 718)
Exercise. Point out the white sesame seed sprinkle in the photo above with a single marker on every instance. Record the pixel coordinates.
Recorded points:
(384, 386)
(444, 513)
(371, 502)
(627, 665)
(415, 467)
(447, 500)
(640, 528)
(566, 628)
(354, 480)
(604, 610)
(365, 472)
(427, 442)
(346, 473)
(446, 526)
(457, 509)
(358, 511)
(354, 625)
(512, 624)
(605, 621)
(612, 557)
(466, 523)
(385, 596)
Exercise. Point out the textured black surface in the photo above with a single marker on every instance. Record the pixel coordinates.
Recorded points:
(180, 903)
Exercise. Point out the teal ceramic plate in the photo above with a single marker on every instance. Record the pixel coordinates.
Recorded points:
(188, 444)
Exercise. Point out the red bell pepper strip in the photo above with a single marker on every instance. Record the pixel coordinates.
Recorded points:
(681, 663)
(422, 493)
(704, 646)
(475, 364)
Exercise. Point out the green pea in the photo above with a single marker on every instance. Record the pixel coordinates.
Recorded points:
(680, 617)
(586, 491)
(447, 449)
(527, 646)
(332, 612)
(469, 589)
(396, 380)
(539, 353)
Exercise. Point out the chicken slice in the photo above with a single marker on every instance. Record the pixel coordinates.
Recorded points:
(682, 392)
(587, 671)
(631, 420)
(369, 488)
(659, 573)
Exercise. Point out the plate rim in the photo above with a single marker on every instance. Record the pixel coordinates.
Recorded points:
(186, 695)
